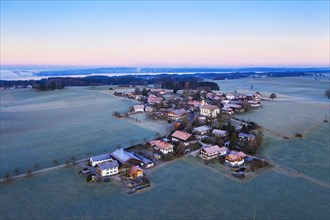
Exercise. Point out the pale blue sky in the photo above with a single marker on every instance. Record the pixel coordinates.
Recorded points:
(169, 33)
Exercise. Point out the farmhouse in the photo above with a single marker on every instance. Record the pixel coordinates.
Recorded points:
(135, 172)
(177, 114)
(107, 168)
(181, 136)
(243, 136)
(219, 133)
(138, 108)
(208, 153)
(202, 130)
(125, 159)
(146, 162)
(162, 146)
(152, 99)
(99, 159)
(210, 110)
(235, 159)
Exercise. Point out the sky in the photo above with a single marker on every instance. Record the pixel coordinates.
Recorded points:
(165, 33)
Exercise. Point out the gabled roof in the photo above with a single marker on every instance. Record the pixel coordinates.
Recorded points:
(100, 157)
(162, 145)
(241, 154)
(244, 135)
(212, 149)
(223, 149)
(202, 128)
(219, 132)
(123, 156)
(181, 135)
(108, 165)
(178, 111)
(210, 107)
(134, 169)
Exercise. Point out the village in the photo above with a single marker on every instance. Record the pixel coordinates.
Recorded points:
(202, 125)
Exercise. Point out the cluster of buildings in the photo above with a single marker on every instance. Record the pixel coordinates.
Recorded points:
(120, 161)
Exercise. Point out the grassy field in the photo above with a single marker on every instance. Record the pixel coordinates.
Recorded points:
(39, 127)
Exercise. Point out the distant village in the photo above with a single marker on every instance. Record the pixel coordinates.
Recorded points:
(202, 124)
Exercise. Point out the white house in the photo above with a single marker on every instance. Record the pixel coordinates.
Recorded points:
(235, 159)
(208, 153)
(230, 96)
(99, 159)
(210, 110)
(107, 168)
(162, 146)
(138, 108)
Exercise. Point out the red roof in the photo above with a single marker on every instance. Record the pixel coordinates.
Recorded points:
(134, 169)
(162, 145)
(212, 149)
(181, 135)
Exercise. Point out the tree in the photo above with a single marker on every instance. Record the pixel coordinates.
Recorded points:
(137, 91)
(29, 172)
(73, 159)
(145, 92)
(55, 161)
(16, 171)
(272, 96)
(327, 93)
(233, 141)
(7, 177)
(36, 166)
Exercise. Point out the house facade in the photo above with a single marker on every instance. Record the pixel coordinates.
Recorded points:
(208, 153)
(107, 168)
(99, 159)
(180, 136)
(209, 110)
(138, 108)
(162, 146)
(235, 159)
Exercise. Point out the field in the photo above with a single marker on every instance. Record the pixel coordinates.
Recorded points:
(40, 127)
(183, 189)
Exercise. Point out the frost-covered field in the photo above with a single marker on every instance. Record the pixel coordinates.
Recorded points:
(187, 189)
(39, 127)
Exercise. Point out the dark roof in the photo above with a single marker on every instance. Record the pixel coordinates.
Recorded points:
(108, 165)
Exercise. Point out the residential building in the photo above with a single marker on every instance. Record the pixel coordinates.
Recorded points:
(107, 168)
(243, 136)
(235, 159)
(208, 153)
(209, 110)
(138, 108)
(220, 133)
(99, 159)
(135, 172)
(162, 146)
(177, 114)
(181, 136)
(202, 130)
(125, 159)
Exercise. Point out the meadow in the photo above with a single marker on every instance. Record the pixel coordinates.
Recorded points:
(185, 188)
(40, 127)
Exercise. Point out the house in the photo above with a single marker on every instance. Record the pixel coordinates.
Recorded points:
(230, 96)
(243, 136)
(138, 108)
(238, 124)
(99, 159)
(254, 104)
(157, 156)
(202, 130)
(194, 103)
(149, 109)
(152, 99)
(107, 168)
(210, 110)
(162, 146)
(236, 107)
(181, 136)
(146, 162)
(125, 159)
(176, 114)
(228, 110)
(208, 153)
(235, 159)
(135, 172)
(219, 133)
(257, 96)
